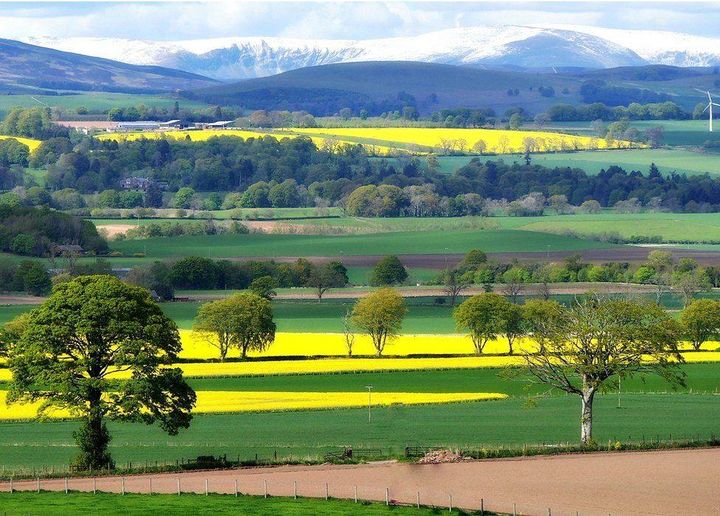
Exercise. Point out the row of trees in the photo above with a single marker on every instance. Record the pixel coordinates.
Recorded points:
(261, 277)
(264, 172)
(39, 232)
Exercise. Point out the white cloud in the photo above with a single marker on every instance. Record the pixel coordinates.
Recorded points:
(335, 20)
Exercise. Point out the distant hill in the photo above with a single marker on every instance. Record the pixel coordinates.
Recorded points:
(28, 68)
(383, 86)
(325, 89)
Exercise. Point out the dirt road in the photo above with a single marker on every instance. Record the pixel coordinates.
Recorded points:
(634, 254)
(664, 482)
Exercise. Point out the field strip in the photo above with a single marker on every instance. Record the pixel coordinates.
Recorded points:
(665, 482)
(32, 144)
(195, 347)
(219, 402)
(355, 365)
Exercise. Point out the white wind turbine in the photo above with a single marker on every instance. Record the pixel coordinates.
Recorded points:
(709, 108)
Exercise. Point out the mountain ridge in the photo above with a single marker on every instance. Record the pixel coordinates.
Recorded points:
(508, 45)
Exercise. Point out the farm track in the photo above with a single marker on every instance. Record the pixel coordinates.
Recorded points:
(440, 261)
(660, 482)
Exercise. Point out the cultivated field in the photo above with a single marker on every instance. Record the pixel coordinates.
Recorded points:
(32, 144)
(384, 140)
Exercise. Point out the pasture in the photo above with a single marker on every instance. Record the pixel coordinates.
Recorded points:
(676, 132)
(280, 245)
(137, 504)
(682, 161)
(95, 101)
(311, 433)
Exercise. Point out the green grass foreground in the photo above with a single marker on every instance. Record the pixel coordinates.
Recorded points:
(309, 435)
(103, 503)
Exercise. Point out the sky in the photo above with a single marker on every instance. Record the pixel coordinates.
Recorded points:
(167, 21)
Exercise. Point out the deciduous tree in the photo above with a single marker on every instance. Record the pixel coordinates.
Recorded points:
(380, 315)
(89, 328)
(597, 340)
(700, 321)
(483, 316)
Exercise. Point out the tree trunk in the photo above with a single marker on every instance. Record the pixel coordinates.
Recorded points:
(588, 394)
(93, 437)
(510, 345)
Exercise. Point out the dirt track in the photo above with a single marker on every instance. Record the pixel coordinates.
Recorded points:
(634, 254)
(666, 482)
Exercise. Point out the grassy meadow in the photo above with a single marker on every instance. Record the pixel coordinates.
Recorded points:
(676, 132)
(94, 101)
(133, 504)
(277, 245)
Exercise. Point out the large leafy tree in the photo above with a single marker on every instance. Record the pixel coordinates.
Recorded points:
(243, 321)
(380, 315)
(326, 276)
(388, 271)
(66, 351)
(701, 321)
(484, 317)
(597, 340)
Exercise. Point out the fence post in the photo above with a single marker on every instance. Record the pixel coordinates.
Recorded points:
(264, 488)
(150, 485)
(123, 486)
(327, 491)
(482, 506)
(236, 488)
(417, 500)
(514, 509)
(387, 496)
(178, 486)
(11, 486)
(294, 489)
(94, 485)
(450, 506)
(66, 485)
(549, 512)
(206, 487)
(38, 484)
(355, 490)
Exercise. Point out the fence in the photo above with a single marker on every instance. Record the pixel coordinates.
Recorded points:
(198, 484)
(359, 454)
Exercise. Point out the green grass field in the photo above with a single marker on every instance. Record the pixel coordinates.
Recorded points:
(677, 132)
(99, 101)
(276, 245)
(310, 434)
(667, 160)
(132, 504)
(670, 226)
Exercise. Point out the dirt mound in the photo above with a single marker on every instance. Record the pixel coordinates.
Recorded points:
(440, 457)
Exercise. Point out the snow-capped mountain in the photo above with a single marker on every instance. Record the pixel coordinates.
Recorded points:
(543, 47)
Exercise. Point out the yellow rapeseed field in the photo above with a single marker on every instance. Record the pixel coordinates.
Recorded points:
(342, 365)
(329, 143)
(418, 140)
(32, 144)
(333, 344)
(213, 402)
(447, 140)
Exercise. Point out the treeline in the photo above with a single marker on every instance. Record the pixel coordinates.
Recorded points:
(666, 110)
(262, 277)
(38, 232)
(264, 172)
(31, 123)
(597, 90)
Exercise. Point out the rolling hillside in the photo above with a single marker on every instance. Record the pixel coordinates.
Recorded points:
(31, 69)
(434, 86)
(381, 86)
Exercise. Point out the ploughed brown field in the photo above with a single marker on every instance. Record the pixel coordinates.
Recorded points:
(660, 482)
